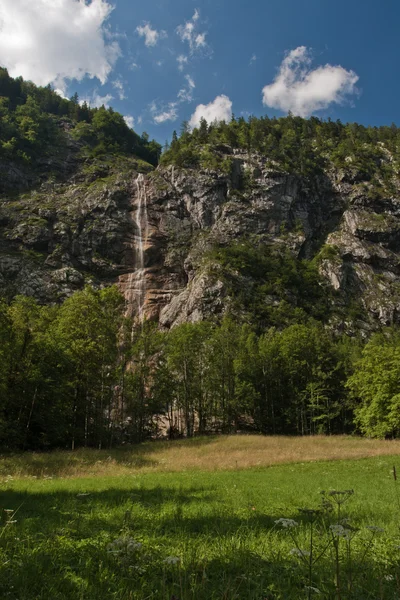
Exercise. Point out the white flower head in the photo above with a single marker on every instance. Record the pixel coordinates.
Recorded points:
(300, 553)
(124, 546)
(375, 529)
(287, 523)
(172, 560)
(340, 531)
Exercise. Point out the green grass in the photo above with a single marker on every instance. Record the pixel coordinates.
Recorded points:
(221, 526)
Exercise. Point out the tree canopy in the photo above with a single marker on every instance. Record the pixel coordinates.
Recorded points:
(33, 119)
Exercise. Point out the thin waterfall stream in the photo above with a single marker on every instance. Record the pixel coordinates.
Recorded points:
(137, 279)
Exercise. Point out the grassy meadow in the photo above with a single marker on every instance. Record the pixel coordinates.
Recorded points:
(204, 519)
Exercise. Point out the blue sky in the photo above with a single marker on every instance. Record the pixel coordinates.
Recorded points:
(164, 61)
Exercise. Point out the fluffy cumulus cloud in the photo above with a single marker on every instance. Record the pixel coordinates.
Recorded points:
(51, 41)
(219, 109)
(151, 36)
(303, 91)
(188, 32)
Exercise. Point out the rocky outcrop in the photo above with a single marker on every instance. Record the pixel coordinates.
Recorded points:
(83, 227)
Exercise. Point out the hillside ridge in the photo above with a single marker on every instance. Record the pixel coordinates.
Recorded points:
(273, 220)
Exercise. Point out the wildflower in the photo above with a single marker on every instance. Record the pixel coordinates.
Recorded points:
(124, 546)
(300, 553)
(340, 492)
(132, 546)
(172, 560)
(348, 526)
(375, 529)
(287, 523)
(340, 531)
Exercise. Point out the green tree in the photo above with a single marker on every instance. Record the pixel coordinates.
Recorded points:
(88, 326)
(187, 353)
(375, 387)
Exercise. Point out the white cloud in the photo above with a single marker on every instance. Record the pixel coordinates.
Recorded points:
(253, 59)
(129, 120)
(96, 101)
(170, 114)
(119, 86)
(165, 113)
(219, 109)
(200, 40)
(188, 33)
(185, 94)
(190, 81)
(182, 60)
(151, 36)
(303, 91)
(61, 93)
(51, 41)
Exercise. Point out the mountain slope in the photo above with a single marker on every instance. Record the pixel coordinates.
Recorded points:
(276, 221)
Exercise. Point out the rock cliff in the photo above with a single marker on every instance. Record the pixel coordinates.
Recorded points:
(116, 220)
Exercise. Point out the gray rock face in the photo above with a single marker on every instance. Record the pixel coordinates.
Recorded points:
(57, 236)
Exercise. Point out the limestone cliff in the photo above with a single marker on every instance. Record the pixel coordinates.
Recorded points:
(116, 220)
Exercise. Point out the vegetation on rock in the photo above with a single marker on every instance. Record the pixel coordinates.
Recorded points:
(33, 120)
(305, 147)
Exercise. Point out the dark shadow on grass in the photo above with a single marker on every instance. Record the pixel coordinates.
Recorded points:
(86, 570)
(58, 549)
(159, 511)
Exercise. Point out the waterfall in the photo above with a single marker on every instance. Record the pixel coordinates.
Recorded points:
(137, 279)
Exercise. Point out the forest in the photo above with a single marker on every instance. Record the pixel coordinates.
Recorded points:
(34, 119)
(82, 374)
(292, 144)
